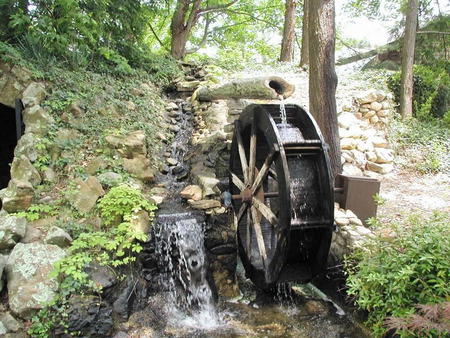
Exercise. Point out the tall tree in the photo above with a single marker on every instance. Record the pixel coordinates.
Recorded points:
(406, 86)
(186, 15)
(287, 43)
(304, 52)
(322, 76)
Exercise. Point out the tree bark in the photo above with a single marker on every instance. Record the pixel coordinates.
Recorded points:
(304, 53)
(409, 42)
(184, 19)
(287, 44)
(322, 76)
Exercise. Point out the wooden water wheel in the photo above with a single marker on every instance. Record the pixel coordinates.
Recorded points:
(282, 194)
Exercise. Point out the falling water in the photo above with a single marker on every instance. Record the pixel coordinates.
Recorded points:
(283, 110)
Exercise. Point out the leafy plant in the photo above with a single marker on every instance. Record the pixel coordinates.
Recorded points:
(38, 211)
(389, 276)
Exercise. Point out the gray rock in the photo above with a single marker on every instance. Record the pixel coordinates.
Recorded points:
(110, 179)
(27, 146)
(22, 169)
(58, 236)
(12, 229)
(37, 120)
(11, 90)
(139, 166)
(34, 94)
(29, 284)
(87, 194)
(129, 145)
(102, 276)
(11, 323)
(3, 329)
(33, 234)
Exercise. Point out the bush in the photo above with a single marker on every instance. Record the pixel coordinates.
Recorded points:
(431, 91)
(390, 276)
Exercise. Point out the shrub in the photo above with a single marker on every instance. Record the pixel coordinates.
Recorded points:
(431, 91)
(390, 276)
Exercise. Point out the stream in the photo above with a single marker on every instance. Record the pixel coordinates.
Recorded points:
(183, 304)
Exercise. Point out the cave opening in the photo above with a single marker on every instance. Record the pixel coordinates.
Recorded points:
(9, 137)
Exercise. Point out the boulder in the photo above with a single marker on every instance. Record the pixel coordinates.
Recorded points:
(346, 119)
(29, 284)
(204, 204)
(367, 96)
(87, 193)
(23, 170)
(139, 166)
(384, 155)
(36, 120)
(27, 146)
(193, 192)
(34, 94)
(11, 90)
(58, 236)
(18, 196)
(110, 179)
(11, 323)
(380, 168)
(12, 229)
(130, 145)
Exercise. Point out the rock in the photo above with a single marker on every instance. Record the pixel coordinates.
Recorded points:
(367, 97)
(11, 323)
(33, 234)
(346, 119)
(383, 113)
(374, 119)
(102, 276)
(171, 161)
(49, 175)
(171, 106)
(369, 114)
(384, 155)
(27, 146)
(356, 221)
(378, 141)
(37, 120)
(34, 94)
(355, 131)
(187, 86)
(58, 236)
(351, 170)
(130, 145)
(140, 166)
(64, 137)
(157, 200)
(376, 106)
(18, 196)
(3, 260)
(348, 143)
(193, 192)
(204, 204)
(110, 179)
(11, 90)
(109, 110)
(3, 329)
(87, 193)
(359, 157)
(380, 168)
(371, 156)
(140, 221)
(12, 229)
(363, 231)
(29, 284)
(342, 221)
(23, 170)
(207, 183)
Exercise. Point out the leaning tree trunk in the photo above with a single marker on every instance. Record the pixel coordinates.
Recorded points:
(406, 85)
(304, 53)
(287, 44)
(322, 76)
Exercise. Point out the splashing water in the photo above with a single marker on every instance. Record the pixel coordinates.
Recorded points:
(282, 110)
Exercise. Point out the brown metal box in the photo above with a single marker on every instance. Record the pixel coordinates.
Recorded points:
(356, 193)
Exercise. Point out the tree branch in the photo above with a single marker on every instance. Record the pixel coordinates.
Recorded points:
(216, 8)
(157, 37)
(432, 32)
(204, 38)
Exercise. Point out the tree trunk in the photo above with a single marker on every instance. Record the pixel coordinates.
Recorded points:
(304, 53)
(406, 86)
(184, 19)
(322, 76)
(287, 44)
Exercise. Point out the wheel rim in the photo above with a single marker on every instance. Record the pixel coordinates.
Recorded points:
(260, 187)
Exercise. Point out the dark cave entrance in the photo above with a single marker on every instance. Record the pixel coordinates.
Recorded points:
(9, 130)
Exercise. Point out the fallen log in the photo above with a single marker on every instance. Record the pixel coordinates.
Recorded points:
(267, 87)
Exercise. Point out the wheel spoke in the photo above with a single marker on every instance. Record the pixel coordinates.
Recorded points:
(252, 163)
(237, 182)
(259, 236)
(264, 171)
(265, 211)
(241, 211)
(241, 150)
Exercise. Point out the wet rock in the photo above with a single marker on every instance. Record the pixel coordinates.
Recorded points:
(58, 236)
(87, 194)
(172, 161)
(17, 196)
(193, 192)
(29, 284)
(157, 200)
(22, 169)
(177, 170)
(12, 230)
(204, 204)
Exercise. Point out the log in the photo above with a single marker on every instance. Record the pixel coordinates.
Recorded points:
(267, 87)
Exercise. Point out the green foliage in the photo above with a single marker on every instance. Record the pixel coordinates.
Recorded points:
(121, 201)
(425, 145)
(431, 91)
(38, 211)
(390, 276)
